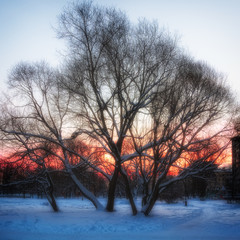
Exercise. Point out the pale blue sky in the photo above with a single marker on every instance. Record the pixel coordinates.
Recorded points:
(208, 29)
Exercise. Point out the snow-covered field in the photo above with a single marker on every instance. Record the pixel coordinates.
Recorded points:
(31, 219)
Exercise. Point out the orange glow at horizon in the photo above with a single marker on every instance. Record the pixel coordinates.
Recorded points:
(107, 163)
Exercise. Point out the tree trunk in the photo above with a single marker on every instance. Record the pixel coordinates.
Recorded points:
(145, 193)
(52, 201)
(85, 192)
(50, 195)
(129, 194)
(111, 190)
(147, 208)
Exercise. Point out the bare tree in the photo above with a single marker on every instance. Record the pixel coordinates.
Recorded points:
(41, 119)
(121, 85)
(114, 70)
(183, 122)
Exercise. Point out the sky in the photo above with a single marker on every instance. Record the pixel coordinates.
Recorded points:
(209, 30)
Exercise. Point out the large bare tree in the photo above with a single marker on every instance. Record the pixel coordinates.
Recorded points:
(121, 85)
(114, 70)
(120, 73)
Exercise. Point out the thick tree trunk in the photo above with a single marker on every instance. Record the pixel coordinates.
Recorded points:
(85, 192)
(147, 208)
(129, 194)
(145, 193)
(111, 190)
(52, 201)
(50, 195)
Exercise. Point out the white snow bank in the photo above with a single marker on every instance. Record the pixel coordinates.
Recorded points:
(32, 219)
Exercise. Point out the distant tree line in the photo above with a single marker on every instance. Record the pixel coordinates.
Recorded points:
(14, 182)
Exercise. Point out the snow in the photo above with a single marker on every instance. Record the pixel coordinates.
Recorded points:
(32, 219)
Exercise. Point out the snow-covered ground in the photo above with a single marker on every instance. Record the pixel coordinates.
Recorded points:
(31, 219)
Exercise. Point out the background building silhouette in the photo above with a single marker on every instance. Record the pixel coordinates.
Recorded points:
(236, 167)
